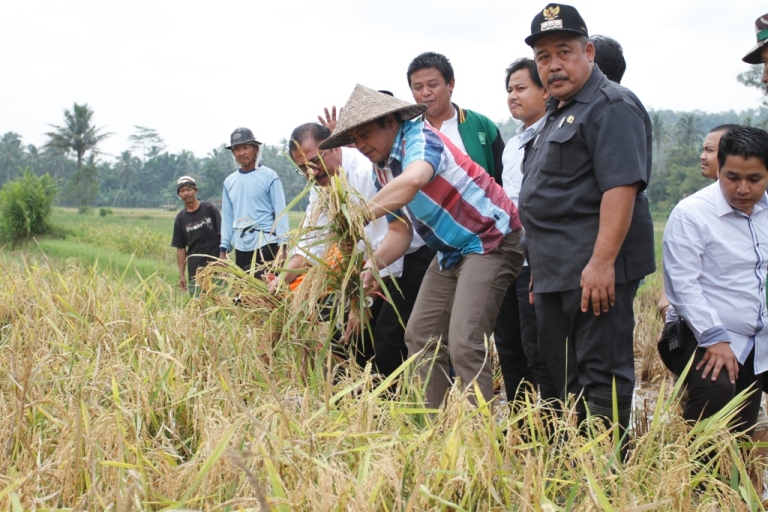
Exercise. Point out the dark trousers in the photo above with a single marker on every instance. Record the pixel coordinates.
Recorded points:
(586, 354)
(516, 340)
(384, 340)
(265, 253)
(707, 397)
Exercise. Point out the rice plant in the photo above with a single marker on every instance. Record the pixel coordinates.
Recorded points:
(119, 397)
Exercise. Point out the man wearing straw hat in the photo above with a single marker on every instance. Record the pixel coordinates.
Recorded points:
(431, 187)
(759, 54)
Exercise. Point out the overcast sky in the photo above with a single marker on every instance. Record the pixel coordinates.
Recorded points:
(196, 70)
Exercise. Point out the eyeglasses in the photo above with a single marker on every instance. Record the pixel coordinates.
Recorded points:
(311, 164)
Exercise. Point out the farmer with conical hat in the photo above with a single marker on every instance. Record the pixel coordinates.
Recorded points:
(460, 211)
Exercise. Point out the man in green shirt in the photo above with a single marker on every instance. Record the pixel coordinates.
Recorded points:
(431, 79)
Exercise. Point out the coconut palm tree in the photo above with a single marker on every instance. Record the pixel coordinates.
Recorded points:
(688, 130)
(78, 134)
(660, 132)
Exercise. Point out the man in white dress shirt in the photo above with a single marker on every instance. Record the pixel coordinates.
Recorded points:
(515, 332)
(389, 351)
(715, 263)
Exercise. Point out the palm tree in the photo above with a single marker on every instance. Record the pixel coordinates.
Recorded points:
(688, 130)
(11, 155)
(660, 132)
(128, 169)
(77, 134)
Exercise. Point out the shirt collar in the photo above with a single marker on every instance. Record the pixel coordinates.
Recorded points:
(585, 93)
(723, 208)
(397, 147)
(526, 134)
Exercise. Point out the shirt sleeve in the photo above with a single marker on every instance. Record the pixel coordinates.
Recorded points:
(617, 142)
(311, 244)
(227, 219)
(281, 215)
(683, 246)
(423, 143)
(178, 241)
(217, 222)
(498, 151)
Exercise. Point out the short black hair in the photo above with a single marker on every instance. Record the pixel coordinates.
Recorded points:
(524, 63)
(431, 60)
(744, 141)
(724, 128)
(609, 57)
(316, 131)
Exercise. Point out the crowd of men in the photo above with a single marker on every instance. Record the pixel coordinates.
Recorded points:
(542, 241)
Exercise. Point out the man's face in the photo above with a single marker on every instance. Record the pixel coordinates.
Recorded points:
(743, 182)
(525, 99)
(765, 67)
(708, 155)
(428, 86)
(245, 155)
(188, 194)
(317, 164)
(375, 141)
(564, 65)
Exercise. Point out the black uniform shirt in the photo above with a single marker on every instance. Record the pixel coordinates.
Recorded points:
(599, 140)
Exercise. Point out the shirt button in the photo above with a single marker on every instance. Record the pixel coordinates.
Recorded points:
(551, 118)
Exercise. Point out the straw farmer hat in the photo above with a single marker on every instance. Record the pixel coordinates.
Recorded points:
(366, 105)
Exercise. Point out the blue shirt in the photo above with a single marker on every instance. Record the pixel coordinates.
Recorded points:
(252, 205)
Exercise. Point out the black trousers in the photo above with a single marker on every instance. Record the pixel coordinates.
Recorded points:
(706, 397)
(516, 340)
(384, 341)
(586, 354)
(265, 253)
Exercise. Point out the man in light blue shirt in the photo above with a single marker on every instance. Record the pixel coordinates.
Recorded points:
(253, 222)
(715, 263)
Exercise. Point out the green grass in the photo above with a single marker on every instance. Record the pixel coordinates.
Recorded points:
(132, 243)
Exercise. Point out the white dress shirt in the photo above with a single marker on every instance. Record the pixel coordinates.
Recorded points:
(359, 173)
(512, 159)
(715, 272)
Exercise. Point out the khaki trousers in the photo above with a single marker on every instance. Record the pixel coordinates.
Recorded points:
(454, 317)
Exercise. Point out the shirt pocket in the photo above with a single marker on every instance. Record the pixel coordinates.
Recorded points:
(558, 150)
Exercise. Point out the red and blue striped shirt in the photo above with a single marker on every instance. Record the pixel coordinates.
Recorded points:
(462, 210)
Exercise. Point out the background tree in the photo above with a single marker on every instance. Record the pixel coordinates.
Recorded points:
(661, 136)
(147, 141)
(688, 130)
(77, 134)
(126, 171)
(11, 156)
(753, 77)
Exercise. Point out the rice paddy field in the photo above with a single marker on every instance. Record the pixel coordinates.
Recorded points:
(121, 393)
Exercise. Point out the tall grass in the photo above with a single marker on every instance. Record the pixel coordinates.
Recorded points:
(118, 397)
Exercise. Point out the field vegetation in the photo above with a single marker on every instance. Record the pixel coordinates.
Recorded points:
(122, 394)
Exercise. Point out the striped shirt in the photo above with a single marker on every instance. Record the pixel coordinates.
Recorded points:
(462, 210)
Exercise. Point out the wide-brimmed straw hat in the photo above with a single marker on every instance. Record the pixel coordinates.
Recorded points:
(363, 106)
(761, 30)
